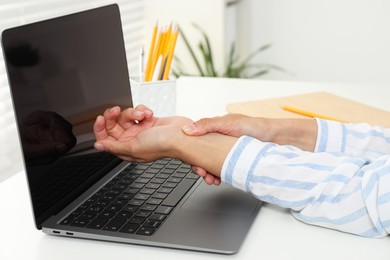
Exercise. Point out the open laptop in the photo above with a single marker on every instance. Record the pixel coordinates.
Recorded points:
(63, 72)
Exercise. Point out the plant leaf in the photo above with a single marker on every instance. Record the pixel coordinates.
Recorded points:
(192, 53)
(207, 50)
(256, 52)
(258, 74)
(230, 61)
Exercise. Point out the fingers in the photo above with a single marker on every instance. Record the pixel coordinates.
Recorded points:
(111, 115)
(99, 129)
(117, 121)
(207, 177)
(148, 112)
(199, 171)
(130, 115)
(212, 180)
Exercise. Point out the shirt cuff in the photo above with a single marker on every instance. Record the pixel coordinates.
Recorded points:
(239, 165)
(331, 136)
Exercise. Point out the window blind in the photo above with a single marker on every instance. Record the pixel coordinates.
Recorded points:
(19, 12)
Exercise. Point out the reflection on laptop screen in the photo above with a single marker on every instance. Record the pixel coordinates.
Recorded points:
(62, 75)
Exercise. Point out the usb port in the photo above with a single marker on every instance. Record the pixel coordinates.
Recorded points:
(56, 232)
(69, 233)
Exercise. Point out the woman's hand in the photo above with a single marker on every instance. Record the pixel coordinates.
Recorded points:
(135, 134)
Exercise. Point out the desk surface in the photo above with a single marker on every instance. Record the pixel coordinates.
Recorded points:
(275, 234)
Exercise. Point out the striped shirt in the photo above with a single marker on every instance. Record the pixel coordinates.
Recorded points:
(343, 185)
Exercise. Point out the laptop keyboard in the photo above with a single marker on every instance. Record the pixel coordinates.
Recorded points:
(137, 200)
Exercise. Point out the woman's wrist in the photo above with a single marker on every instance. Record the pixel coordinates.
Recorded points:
(301, 133)
(207, 151)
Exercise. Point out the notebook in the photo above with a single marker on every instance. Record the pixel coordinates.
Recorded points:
(62, 73)
(322, 103)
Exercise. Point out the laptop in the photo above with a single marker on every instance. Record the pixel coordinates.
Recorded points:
(62, 73)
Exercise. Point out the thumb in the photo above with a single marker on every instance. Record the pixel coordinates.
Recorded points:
(112, 146)
(201, 127)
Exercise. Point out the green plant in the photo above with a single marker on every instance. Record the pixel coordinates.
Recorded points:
(235, 67)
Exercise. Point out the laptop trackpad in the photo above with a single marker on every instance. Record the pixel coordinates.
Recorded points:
(221, 199)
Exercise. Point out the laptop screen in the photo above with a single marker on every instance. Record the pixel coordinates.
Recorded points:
(63, 72)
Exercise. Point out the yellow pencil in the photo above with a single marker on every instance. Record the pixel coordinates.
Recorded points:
(310, 114)
(155, 56)
(150, 54)
(171, 50)
(167, 39)
(163, 49)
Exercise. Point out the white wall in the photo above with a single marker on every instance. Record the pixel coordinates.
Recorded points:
(344, 41)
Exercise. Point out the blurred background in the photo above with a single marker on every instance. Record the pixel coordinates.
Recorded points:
(323, 41)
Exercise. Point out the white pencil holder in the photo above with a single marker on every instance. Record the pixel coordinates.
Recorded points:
(160, 96)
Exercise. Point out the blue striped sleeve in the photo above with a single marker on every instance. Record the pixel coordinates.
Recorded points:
(358, 139)
(331, 136)
(328, 189)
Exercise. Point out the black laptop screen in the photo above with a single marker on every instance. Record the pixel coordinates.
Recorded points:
(63, 72)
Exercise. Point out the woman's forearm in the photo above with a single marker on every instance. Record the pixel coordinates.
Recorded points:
(210, 150)
(301, 133)
(207, 151)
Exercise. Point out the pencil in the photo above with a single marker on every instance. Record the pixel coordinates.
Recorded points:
(310, 114)
(151, 50)
(157, 68)
(141, 65)
(171, 50)
(155, 56)
(162, 50)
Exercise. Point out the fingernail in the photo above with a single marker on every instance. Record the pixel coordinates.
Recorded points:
(99, 146)
(189, 128)
(148, 112)
(137, 113)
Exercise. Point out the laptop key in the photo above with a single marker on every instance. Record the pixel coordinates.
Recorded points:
(107, 214)
(159, 195)
(192, 175)
(158, 217)
(115, 224)
(67, 221)
(146, 231)
(158, 181)
(148, 207)
(137, 185)
(141, 196)
(126, 196)
(130, 208)
(152, 224)
(137, 220)
(142, 213)
(163, 210)
(113, 207)
(80, 222)
(97, 223)
(129, 228)
(124, 214)
(89, 215)
(165, 190)
(169, 185)
(135, 202)
(152, 186)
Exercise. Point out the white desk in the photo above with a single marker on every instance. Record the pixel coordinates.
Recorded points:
(275, 234)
